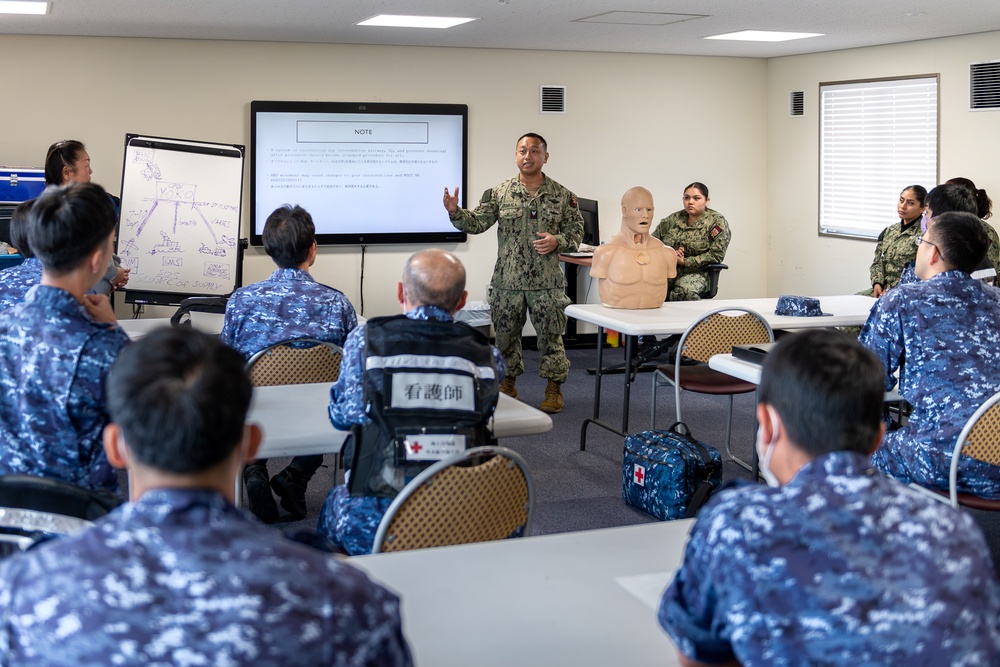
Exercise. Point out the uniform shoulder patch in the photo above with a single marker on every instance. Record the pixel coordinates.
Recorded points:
(715, 232)
(572, 201)
(486, 197)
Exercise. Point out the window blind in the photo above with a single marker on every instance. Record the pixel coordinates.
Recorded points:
(876, 138)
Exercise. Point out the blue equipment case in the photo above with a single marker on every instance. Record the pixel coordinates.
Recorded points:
(17, 184)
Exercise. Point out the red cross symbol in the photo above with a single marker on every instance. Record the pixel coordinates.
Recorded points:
(639, 475)
(415, 448)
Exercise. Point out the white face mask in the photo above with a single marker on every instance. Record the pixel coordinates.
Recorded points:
(765, 450)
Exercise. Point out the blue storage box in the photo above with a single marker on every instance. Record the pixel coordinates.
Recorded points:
(18, 184)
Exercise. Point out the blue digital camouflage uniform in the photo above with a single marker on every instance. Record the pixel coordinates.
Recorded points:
(947, 329)
(182, 577)
(17, 280)
(351, 522)
(53, 361)
(524, 281)
(909, 274)
(704, 242)
(288, 304)
(841, 566)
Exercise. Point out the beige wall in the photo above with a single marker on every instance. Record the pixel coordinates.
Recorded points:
(800, 261)
(657, 121)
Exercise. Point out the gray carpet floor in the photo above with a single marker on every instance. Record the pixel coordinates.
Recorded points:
(577, 490)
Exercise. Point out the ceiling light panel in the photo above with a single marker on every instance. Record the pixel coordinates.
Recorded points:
(639, 18)
(765, 36)
(403, 21)
(25, 7)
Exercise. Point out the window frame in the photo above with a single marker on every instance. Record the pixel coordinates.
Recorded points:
(875, 194)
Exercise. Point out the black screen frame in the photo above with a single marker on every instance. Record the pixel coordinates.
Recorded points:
(419, 236)
(591, 221)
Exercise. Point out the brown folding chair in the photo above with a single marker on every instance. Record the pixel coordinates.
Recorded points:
(300, 361)
(479, 495)
(297, 361)
(714, 333)
(979, 440)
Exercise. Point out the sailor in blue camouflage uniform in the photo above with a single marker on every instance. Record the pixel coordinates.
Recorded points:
(179, 576)
(538, 219)
(289, 304)
(946, 328)
(831, 563)
(17, 280)
(57, 346)
(350, 522)
(947, 198)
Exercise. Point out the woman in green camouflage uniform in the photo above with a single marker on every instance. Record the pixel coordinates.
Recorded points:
(895, 247)
(700, 236)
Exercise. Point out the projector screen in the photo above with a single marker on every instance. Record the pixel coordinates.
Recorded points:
(367, 172)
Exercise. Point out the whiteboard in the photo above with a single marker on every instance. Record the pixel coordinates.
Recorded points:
(180, 218)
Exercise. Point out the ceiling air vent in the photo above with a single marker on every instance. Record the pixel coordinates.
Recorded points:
(796, 103)
(553, 99)
(984, 85)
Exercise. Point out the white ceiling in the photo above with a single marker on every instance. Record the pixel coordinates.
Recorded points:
(617, 26)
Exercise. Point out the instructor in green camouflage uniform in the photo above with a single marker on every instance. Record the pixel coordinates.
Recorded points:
(895, 248)
(538, 220)
(699, 236)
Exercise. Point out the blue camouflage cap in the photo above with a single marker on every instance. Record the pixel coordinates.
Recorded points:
(799, 306)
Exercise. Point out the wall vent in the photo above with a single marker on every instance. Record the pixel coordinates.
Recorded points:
(553, 99)
(796, 103)
(984, 85)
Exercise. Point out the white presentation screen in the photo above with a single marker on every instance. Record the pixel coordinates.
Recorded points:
(367, 172)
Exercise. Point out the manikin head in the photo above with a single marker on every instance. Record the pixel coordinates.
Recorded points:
(637, 211)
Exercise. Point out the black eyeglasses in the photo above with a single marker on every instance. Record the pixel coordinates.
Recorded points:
(920, 239)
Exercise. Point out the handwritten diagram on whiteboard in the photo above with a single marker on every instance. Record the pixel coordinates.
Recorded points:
(180, 215)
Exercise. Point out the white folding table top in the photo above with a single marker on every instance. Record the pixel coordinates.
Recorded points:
(583, 598)
(674, 317)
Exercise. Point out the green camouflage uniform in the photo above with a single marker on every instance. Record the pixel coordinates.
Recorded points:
(993, 253)
(704, 242)
(524, 281)
(894, 251)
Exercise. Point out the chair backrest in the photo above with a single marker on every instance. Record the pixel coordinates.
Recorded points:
(32, 508)
(713, 269)
(979, 439)
(300, 361)
(54, 496)
(197, 304)
(459, 500)
(717, 331)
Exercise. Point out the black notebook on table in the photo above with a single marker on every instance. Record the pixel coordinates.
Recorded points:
(755, 353)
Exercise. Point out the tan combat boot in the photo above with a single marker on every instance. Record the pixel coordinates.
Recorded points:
(553, 402)
(509, 387)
